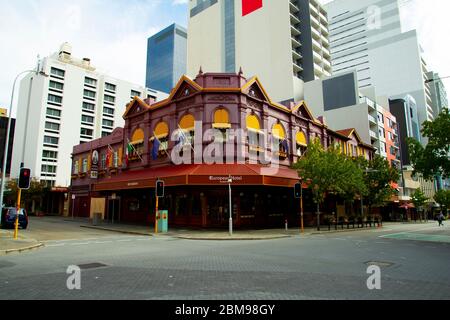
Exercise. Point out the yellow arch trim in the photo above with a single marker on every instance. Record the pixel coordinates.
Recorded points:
(278, 131)
(187, 122)
(301, 138)
(253, 123)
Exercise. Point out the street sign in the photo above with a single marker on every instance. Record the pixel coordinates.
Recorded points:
(73, 197)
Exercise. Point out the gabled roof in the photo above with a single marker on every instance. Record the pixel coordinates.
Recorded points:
(134, 105)
(303, 106)
(349, 132)
(184, 79)
(246, 88)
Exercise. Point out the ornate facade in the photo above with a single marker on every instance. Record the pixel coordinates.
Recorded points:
(255, 142)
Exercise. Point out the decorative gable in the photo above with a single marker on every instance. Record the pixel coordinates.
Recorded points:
(185, 90)
(302, 110)
(254, 89)
(136, 106)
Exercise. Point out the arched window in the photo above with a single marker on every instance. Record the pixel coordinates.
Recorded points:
(187, 126)
(222, 123)
(138, 136)
(160, 140)
(135, 147)
(279, 138)
(301, 143)
(254, 132)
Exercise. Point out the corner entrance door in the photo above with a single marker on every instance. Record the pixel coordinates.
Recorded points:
(218, 209)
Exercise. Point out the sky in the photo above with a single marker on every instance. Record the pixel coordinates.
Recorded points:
(114, 33)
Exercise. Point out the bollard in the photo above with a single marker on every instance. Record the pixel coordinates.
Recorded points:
(286, 225)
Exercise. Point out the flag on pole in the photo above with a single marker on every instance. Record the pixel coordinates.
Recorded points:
(128, 152)
(155, 149)
(109, 155)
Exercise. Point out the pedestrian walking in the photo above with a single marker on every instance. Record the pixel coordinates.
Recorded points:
(440, 219)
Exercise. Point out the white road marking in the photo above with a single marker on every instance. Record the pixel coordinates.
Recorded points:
(126, 240)
(79, 244)
(56, 245)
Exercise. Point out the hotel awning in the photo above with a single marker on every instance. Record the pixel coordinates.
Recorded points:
(196, 175)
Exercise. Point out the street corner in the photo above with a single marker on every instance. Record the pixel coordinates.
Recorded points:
(8, 245)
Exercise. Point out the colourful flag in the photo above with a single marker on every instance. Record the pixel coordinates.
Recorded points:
(155, 149)
(249, 6)
(128, 151)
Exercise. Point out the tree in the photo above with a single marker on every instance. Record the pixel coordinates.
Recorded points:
(378, 178)
(443, 198)
(329, 171)
(434, 159)
(418, 198)
(34, 194)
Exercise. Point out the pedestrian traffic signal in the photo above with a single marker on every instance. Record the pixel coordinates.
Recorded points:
(24, 178)
(160, 189)
(298, 190)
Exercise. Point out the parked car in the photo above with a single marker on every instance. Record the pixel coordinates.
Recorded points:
(9, 218)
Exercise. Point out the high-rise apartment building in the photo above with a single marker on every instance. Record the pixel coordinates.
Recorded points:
(166, 58)
(73, 104)
(283, 42)
(338, 99)
(3, 125)
(438, 92)
(366, 36)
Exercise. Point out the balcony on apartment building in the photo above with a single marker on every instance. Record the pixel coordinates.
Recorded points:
(372, 120)
(296, 55)
(316, 34)
(295, 31)
(314, 21)
(294, 20)
(295, 43)
(313, 10)
(293, 8)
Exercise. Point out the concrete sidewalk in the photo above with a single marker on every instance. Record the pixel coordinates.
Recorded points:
(218, 234)
(9, 245)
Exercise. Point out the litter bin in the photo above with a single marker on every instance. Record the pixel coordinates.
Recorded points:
(97, 219)
(163, 221)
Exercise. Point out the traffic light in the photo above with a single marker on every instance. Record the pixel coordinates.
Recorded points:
(160, 189)
(24, 178)
(298, 190)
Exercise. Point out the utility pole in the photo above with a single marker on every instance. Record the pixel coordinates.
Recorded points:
(230, 223)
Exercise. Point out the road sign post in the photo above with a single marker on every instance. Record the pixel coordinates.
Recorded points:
(159, 193)
(73, 205)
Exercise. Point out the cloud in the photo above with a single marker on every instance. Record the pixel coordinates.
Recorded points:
(178, 2)
(112, 33)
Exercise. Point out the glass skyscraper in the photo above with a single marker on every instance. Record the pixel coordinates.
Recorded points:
(166, 58)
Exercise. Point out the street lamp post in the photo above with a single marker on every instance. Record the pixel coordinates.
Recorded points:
(5, 156)
(230, 223)
(301, 207)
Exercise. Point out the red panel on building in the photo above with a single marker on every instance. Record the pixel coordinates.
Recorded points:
(248, 6)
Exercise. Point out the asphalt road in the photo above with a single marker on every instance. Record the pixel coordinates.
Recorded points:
(329, 266)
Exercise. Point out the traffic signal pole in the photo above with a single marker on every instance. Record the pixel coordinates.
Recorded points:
(301, 209)
(156, 215)
(16, 225)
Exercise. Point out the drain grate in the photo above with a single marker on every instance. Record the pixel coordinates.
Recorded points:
(381, 264)
(94, 265)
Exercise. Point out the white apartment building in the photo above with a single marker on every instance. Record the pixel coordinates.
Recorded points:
(343, 105)
(73, 104)
(366, 36)
(284, 42)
